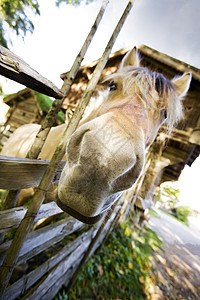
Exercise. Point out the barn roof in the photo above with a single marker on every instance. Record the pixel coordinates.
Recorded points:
(183, 146)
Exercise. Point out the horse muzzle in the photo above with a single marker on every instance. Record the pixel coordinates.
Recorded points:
(103, 160)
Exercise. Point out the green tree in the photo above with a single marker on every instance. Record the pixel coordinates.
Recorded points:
(168, 196)
(183, 213)
(73, 2)
(13, 16)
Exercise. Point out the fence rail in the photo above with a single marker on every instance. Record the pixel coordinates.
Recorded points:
(29, 172)
(11, 218)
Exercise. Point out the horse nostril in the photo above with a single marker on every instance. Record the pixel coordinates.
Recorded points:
(74, 145)
(129, 178)
(77, 137)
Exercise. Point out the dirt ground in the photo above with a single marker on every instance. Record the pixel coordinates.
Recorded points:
(173, 279)
(177, 267)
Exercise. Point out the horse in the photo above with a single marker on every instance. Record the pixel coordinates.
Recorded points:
(106, 154)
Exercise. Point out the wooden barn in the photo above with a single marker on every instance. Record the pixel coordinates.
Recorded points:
(26, 106)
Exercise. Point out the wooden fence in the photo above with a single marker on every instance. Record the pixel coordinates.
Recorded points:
(44, 248)
(58, 269)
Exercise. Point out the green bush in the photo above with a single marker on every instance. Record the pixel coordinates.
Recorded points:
(121, 268)
(45, 103)
(182, 213)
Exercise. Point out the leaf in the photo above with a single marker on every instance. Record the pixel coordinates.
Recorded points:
(141, 279)
(130, 265)
(100, 268)
(170, 271)
(161, 259)
(145, 267)
(128, 231)
(121, 272)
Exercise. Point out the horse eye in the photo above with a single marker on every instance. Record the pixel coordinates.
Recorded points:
(112, 86)
(164, 114)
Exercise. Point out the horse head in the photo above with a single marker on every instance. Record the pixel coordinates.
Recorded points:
(106, 155)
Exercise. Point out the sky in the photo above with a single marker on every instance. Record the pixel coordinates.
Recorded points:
(169, 26)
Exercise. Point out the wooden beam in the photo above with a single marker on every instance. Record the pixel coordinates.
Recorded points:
(23, 173)
(11, 218)
(15, 68)
(39, 240)
(174, 63)
(174, 155)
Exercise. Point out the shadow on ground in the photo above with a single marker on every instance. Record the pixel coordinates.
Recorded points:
(177, 267)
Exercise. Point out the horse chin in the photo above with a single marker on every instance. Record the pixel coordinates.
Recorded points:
(88, 215)
(77, 215)
(87, 205)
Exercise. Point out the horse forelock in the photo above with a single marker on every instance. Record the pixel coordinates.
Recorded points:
(154, 89)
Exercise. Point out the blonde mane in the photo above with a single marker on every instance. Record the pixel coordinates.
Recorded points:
(154, 90)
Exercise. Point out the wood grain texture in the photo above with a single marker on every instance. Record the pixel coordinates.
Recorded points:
(23, 173)
(10, 218)
(15, 68)
(39, 240)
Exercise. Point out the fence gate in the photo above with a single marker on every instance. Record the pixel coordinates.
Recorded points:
(30, 230)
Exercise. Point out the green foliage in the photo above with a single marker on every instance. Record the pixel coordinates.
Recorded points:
(45, 103)
(153, 213)
(73, 2)
(183, 213)
(2, 32)
(121, 268)
(14, 14)
(168, 196)
(1, 90)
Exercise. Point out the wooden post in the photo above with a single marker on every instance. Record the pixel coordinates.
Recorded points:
(26, 224)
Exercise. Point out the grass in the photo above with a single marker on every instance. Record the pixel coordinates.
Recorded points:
(153, 213)
(120, 270)
(176, 218)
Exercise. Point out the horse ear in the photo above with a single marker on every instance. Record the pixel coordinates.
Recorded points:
(182, 84)
(131, 59)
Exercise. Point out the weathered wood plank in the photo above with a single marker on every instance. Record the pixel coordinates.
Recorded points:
(39, 240)
(10, 218)
(22, 173)
(23, 284)
(174, 155)
(49, 286)
(15, 68)
(70, 255)
(54, 277)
